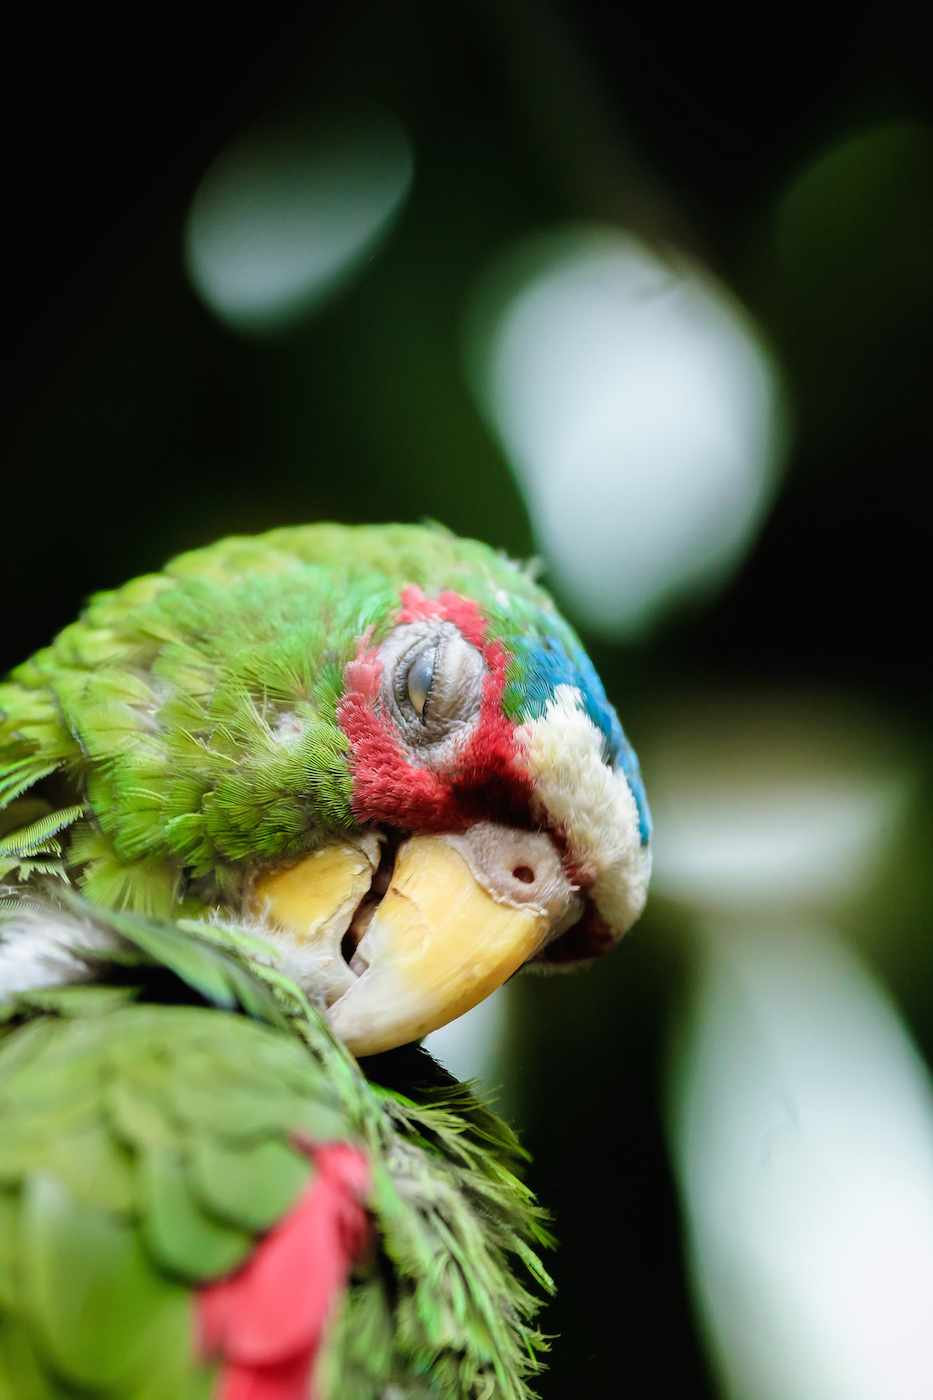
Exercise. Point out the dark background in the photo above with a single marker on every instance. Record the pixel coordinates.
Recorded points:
(134, 425)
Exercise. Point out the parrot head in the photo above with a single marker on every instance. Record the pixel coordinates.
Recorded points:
(381, 745)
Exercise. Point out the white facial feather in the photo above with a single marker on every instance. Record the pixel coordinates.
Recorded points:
(593, 804)
(43, 948)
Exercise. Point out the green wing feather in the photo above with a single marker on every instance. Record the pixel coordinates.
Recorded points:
(145, 1146)
(143, 1149)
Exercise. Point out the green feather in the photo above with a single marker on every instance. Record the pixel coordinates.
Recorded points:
(177, 1233)
(23, 1376)
(9, 1230)
(37, 837)
(251, 1186)
(116, 1176)
(97, 1307)
(161, 1135)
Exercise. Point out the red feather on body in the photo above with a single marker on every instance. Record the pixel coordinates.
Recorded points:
(266, 1321)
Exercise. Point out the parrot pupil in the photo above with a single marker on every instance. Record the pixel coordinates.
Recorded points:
(420, 677)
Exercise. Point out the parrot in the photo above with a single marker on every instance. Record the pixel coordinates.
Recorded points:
(269, 818)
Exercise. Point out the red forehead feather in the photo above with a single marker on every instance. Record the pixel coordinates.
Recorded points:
(487, 781)
(449, 607)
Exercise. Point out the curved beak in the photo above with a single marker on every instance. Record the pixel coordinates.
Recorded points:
(459, 915)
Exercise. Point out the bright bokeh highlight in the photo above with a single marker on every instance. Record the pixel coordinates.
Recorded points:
(471, 1047)
(640, 413)
(804, 1144)
(288, 213)
(793, 842)
(801, 1112)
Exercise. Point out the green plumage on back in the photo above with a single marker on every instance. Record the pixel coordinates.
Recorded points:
(151, 1143)
(146, 1146)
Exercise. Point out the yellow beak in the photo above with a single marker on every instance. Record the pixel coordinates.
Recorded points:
(459, 916)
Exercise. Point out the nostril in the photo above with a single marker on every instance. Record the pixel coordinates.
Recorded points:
(525, 874)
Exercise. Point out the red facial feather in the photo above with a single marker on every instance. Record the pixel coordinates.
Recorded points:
(487, 780)
(449, 607)
(267, 1320)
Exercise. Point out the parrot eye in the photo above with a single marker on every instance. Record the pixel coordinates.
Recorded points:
(432, 682)
(420, 677)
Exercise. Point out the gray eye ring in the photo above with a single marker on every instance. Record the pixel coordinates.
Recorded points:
(432, 686)
(419, 680)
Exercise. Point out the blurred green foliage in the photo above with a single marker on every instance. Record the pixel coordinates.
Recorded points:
(854, 286)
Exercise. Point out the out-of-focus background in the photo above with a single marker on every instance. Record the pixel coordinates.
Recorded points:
(647, 293)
